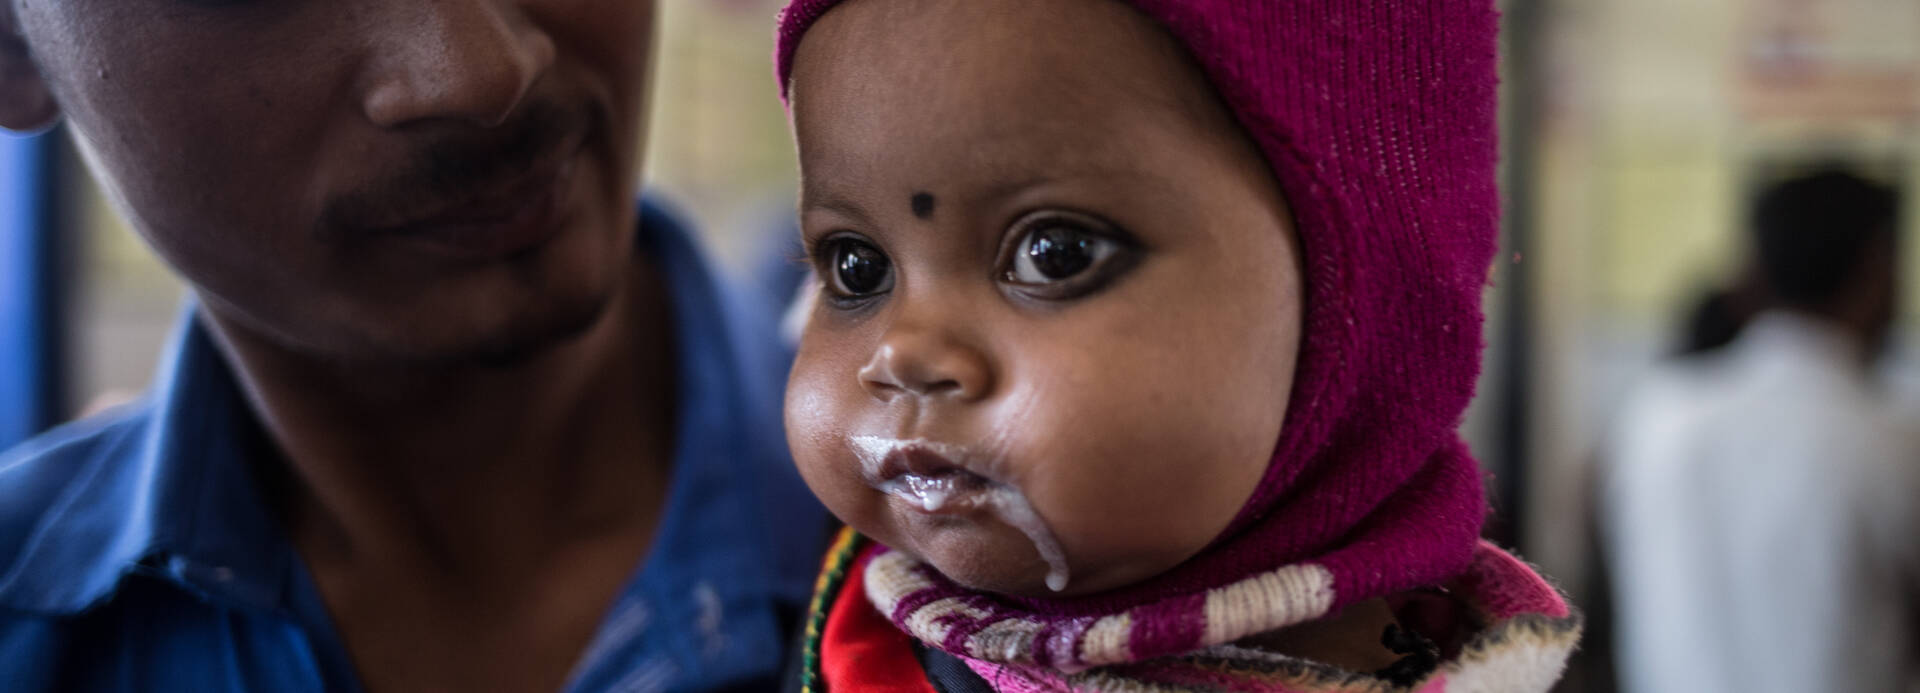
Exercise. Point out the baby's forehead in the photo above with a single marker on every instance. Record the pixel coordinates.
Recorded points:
(984, 70)
(985, 180)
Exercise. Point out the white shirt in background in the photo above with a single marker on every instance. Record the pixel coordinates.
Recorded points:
(1761, 507)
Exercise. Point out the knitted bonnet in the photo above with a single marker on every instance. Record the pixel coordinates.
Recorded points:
(1378, 120)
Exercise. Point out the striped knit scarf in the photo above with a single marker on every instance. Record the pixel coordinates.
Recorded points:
(1524, 631)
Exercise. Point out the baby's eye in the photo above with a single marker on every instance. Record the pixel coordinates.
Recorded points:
(1055, 250)
(856, 269)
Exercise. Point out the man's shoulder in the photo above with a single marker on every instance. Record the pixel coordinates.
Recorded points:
(31, 649)
(44, 479)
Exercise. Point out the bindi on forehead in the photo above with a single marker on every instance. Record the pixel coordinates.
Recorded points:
(922, 204)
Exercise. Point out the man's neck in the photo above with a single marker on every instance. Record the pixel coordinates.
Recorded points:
(468, 527)
(472, 470)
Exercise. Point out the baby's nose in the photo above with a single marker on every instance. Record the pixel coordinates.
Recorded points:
(926, 364)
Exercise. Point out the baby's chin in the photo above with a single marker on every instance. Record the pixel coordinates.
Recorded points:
(975, 551)
(981, 553)
(1023, 575)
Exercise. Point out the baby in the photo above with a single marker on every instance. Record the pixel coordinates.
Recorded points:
(1142, 333)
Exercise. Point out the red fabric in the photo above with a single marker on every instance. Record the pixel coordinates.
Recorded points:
(860, 650)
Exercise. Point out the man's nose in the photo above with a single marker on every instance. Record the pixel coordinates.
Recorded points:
(462, 60)
(925, 362)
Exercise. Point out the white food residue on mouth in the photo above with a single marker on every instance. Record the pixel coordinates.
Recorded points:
(959, 488)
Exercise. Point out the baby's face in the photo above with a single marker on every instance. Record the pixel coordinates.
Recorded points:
(1061, 297)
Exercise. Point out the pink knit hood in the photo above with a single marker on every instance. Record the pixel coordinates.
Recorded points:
(1378, 119)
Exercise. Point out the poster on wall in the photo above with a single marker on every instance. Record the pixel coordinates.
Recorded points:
(1830, 62)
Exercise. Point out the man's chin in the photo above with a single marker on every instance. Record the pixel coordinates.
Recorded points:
(517, 343)
(432, 342)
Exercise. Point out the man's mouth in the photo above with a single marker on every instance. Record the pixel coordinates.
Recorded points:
(481, 196)
(505, 218)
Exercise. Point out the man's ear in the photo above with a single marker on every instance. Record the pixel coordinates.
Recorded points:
(26, 104)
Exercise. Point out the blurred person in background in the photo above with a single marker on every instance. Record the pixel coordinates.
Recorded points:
(1715, 318)
(1760, 501)
(449, 410)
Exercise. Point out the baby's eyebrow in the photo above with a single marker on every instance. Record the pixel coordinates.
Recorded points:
(812, 200)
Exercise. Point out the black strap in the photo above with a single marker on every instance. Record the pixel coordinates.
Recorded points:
(947, 673)
(1420, 658)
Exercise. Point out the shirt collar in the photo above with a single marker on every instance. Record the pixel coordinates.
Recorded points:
(167, 492)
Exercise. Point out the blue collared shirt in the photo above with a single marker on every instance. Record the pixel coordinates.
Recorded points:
(136, 552)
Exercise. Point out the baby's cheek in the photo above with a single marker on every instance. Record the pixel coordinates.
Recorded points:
(818, 421)
(817, 439)
(1144, 487)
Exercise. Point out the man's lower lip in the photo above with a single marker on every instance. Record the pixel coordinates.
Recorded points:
(532, 225)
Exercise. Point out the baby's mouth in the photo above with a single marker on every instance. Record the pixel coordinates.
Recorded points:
(945, 491)
(937, 479)
(930, 476)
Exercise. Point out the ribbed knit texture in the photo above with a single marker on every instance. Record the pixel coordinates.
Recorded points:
(1378, 120)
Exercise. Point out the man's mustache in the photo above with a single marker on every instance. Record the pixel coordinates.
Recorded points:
(452, 171)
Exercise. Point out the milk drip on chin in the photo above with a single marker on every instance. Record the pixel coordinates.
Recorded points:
(959, 489)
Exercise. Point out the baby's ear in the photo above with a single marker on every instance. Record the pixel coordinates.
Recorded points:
(26, 104)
